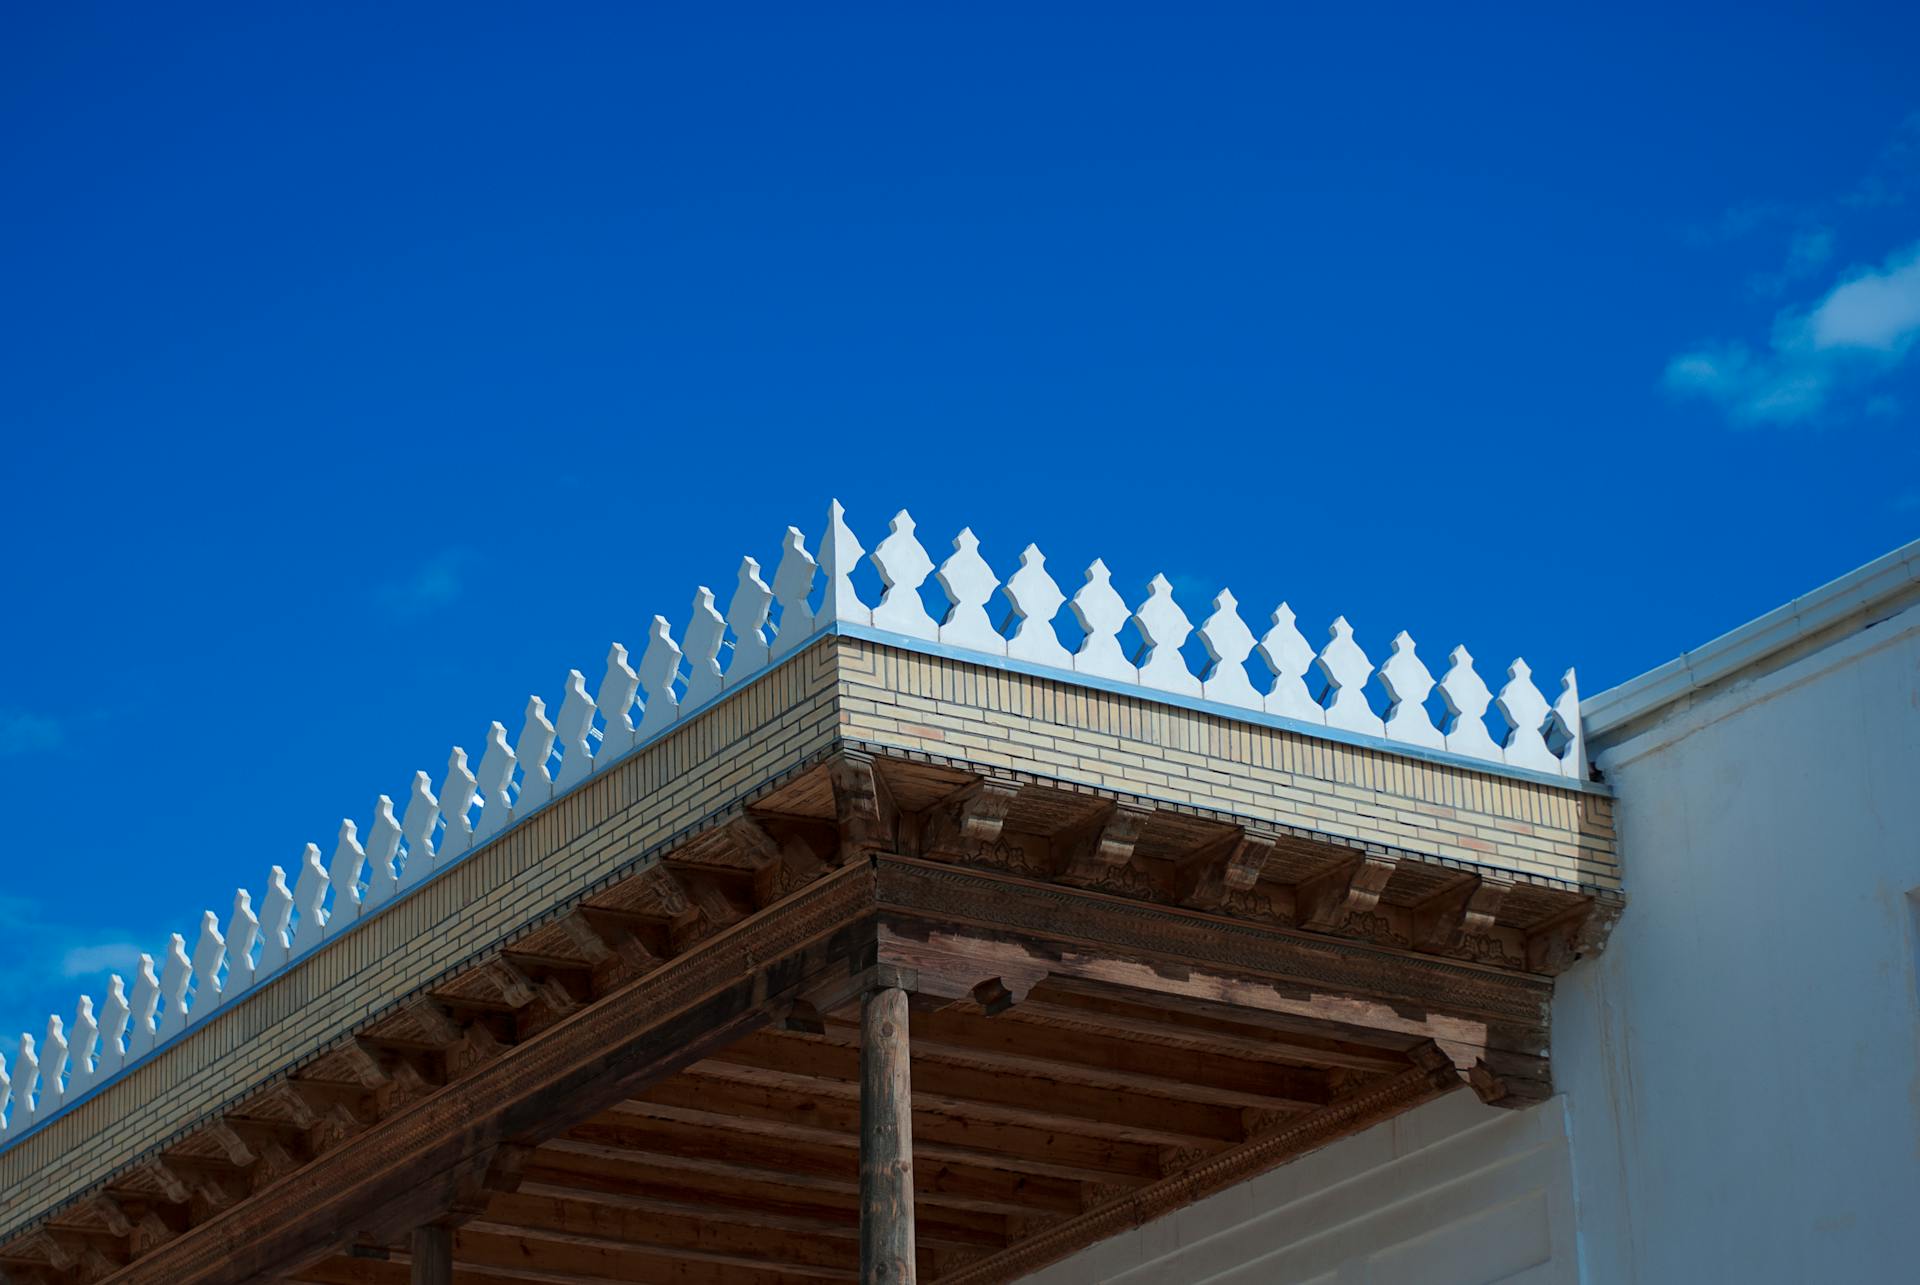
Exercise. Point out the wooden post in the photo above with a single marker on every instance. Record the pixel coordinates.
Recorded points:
(433, 1255)
(886, 1140)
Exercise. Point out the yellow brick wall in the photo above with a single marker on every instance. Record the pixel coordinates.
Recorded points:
(1134, 745)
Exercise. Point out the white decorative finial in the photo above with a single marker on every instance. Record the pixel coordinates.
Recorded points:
(747, 617)
(276, 913)
(53, 1067)
(573, 729)
(968, 583)
(792, 583)
(383, 851)
(1228, 642)
(1347, 670)
(209, 950)
(146, 1000)
(1288, 654)
(1164, 629)
(26, 1072)
(1526, 712)
(1409, 683)
(1036, 600)
(615, 701)
(1566, 717)
(115, 1018)
(706, 631)
(535, 747)
(904, 566)
(494, 780)
(243, 931)
(659, 667)
(416, 826)
(86, 1038)
(343, 873)
(1467, 699)
(175, 976)
(309, 900)
(839, 555)
(1102, 613)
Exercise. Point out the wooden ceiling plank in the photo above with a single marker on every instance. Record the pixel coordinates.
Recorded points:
(1247, 1040)
(589, 1173)
(487, 1244)
(938, 1082)
(663, 1226)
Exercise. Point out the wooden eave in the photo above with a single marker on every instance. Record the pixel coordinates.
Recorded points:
(1119, 1006)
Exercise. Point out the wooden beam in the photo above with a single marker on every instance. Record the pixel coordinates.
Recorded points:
(433, 1255)
(1332, 901)
(718, 990)
(886, 1140)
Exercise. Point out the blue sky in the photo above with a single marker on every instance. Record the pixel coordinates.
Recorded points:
(363, 370)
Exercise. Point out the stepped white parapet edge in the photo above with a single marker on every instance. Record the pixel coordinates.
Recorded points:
(761, 627)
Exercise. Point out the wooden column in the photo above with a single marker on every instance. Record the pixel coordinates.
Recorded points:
(433, 1255)
(886, 1140)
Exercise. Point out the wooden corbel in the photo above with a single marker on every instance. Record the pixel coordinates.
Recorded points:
(1465, 908)
(863, 806)
(1104, 847)
(1230, 864)
(1325, 902)
(967, 823)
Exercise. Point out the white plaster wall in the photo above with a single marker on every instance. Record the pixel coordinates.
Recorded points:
(1453, 1193)
(1742, 1064)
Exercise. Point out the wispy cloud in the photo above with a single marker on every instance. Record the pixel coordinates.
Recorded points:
(22, 732)
(40, 956)
(1863, 328)
(100, 957)
(438, 582)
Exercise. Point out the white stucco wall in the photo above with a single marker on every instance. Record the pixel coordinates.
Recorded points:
(1452, 1193)
(1742, 1064)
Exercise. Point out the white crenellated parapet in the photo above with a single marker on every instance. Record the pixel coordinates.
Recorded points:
(1335, 690)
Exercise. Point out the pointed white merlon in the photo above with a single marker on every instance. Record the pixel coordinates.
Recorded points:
(176, 973)
(11, 1116)
(116, 1018)
(383, 872)
(1409, 682)
(53, 1067)
(84, 1061)
(146, 1003)
(457, 789)
(706, 631)
(618, 689)
(659, 667)
(747, 617)
(1290, 656)
(533, 749)
(209, 951)
(572, 731)
(792, 584)
(417, 825)
(309, 900)
(904, 566)
(1347, 670)
(1036, 600)
(1566, 713)
(26, 1078)
(494, 782)
(344, 874)
(276, 914)
(1526, 712)
(839, 556)
(1164, 630)
(243, 932)
(1467, 699)
(969, 583)
(1102, 614)
(1228, 642)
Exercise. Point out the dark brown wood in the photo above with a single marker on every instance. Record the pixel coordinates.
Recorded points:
(433, 1255)
(886, 1140)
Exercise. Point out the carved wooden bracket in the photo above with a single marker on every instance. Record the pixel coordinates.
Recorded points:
(1326, 902)
(1100, 850)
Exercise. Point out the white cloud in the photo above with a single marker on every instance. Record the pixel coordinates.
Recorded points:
(116, 956)
(24, 733)
(1862, 329)
(436, 583)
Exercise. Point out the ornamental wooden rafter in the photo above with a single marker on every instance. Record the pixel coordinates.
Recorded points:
(1112, 1006)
